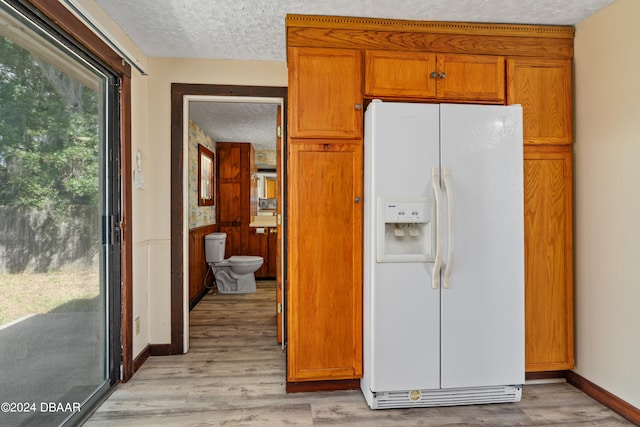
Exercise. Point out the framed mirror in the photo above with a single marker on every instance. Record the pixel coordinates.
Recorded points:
(206, 174)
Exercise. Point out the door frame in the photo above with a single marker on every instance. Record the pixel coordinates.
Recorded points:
(179, 275)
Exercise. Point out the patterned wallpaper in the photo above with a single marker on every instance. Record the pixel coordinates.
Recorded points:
(265, 159)
(198, 215)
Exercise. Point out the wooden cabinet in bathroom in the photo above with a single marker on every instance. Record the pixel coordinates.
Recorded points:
(235, 185)
(263, 241)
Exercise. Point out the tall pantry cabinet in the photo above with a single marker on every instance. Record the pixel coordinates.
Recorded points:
(336, 65)
(325, 215)
(543, 87)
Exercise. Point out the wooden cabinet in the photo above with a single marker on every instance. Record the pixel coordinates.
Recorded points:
(399, 74)
(325, 176)
(543, 87)
(326, 92)
(444, 77)
(263, 241)
(235, 193)
(548, 258)
(325, 260)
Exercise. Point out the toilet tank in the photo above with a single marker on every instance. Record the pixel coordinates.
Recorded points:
(214, 244)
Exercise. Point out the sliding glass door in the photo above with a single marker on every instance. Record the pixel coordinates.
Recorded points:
(59, 239)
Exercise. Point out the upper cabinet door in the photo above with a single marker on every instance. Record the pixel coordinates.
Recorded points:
(421, 75)
(543, 87)
(325, 93)
(470, 78)
(400, 74)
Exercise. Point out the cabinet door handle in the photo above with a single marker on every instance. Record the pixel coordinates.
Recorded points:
(442, 75)
(358, 106)
(433, 75)
(357, 199)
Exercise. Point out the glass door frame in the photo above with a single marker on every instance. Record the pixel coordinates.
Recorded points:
(81, 38)
(116, 235)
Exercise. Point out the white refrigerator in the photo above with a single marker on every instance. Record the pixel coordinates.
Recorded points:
(444, 255)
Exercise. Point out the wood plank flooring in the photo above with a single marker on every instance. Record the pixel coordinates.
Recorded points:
(234, 375)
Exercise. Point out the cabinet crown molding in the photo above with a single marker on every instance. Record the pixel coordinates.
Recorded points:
(436, 27)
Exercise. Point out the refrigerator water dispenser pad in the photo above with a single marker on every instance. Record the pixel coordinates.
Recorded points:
(404, 230)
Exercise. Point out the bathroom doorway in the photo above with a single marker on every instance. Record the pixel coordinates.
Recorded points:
(183, 95)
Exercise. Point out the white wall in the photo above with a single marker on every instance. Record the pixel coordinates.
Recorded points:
(140, 202)
(607, 199)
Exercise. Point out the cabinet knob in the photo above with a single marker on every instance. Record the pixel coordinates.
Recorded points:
(357, 199)
(358, 106)
(433, 75)
(442, 75)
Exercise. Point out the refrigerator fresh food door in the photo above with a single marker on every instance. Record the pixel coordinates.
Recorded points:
(401, 312)
(482, 297)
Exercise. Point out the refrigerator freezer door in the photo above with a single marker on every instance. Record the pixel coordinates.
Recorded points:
(402, 322)
(483, 307)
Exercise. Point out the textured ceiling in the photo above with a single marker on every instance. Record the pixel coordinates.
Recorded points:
(255, 30)
(237, 122)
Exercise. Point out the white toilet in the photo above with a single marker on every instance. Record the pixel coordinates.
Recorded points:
(235, 274)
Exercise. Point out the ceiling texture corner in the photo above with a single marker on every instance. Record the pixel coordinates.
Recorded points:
(255, 29)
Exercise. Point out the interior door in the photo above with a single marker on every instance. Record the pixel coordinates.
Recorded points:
(279, 249)
(482, 305)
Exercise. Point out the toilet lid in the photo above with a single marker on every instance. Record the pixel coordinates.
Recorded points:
(244, 259)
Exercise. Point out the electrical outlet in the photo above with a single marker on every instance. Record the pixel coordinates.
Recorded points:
(137, 321)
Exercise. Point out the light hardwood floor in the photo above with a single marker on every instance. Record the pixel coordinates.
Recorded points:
(234, 375)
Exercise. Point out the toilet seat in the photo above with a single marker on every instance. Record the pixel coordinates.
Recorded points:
(241, 260)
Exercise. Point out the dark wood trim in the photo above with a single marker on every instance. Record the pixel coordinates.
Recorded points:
(548, 375)
(126, 262)
(160, 349)
(66, 20)
(197, 298)
(608, 399)
(177, 223)
(78, 32)
(332, 385)
(148, 351)
(178, 91)
(141, 358)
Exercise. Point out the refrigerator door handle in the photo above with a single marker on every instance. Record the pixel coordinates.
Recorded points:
(437, 263)
(446, 173)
